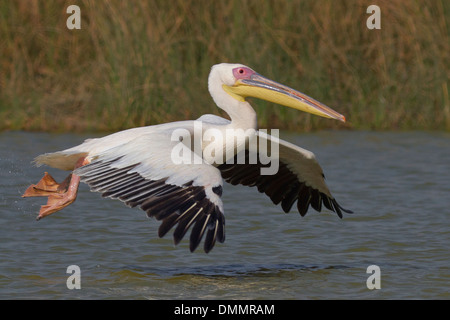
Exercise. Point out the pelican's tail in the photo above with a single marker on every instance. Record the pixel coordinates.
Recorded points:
(63, 160)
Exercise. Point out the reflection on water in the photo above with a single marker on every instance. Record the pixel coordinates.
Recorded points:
(396, 183)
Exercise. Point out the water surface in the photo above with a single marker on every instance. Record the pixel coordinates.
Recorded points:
(398, 185)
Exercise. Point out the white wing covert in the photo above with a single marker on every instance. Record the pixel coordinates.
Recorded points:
(141, 173)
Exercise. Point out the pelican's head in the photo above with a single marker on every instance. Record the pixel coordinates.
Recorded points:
(240, 81)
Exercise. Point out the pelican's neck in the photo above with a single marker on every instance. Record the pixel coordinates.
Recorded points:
(241, 113)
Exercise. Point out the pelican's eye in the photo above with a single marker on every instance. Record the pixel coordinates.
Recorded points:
(242, 73)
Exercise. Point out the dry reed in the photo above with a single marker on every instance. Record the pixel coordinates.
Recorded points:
(137, 63)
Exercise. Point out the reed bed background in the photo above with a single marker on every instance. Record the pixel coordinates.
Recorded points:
(136, 63)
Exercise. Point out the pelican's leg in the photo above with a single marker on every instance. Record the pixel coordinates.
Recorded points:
(59, 195)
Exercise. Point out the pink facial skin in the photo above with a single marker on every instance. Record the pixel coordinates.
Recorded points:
(243, 73)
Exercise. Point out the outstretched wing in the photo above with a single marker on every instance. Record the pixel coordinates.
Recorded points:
(299, 177)
(142, 174)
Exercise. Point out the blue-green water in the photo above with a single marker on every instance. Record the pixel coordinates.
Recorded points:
(398, 185)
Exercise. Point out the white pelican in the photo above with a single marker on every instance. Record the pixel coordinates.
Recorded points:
(136, 166)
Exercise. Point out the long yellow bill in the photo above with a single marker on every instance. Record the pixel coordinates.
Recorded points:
(261, 87)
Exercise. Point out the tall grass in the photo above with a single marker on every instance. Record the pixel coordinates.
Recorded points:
(137, 63)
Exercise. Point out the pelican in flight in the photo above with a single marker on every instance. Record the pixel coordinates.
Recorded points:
(139, 166)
